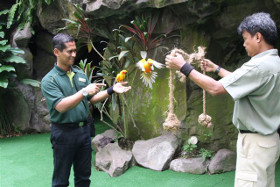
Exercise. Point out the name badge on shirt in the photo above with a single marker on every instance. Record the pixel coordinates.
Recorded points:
(82, 79)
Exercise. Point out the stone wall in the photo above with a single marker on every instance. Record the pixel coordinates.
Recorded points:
(211, 23)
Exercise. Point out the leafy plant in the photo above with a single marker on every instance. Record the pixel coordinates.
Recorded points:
(88, 69)
(24, 12)
(190, 148)
(142, 30)
(8, 56)
(205, 153)
(81, 26)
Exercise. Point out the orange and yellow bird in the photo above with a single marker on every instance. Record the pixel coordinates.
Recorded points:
(121, 76)
(147, 66)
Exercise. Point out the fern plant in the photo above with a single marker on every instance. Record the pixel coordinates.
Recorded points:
(24, 11)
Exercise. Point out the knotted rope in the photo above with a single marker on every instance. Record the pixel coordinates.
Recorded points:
(171, 123)
(193, 58)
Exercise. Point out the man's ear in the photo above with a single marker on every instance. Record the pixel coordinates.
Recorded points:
(56, 52)
(259, 37)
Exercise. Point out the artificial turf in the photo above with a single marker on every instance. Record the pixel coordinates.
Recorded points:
(26, 161)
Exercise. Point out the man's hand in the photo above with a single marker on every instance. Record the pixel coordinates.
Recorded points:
(174, 62)
(120, 88)
(94, 88)
(208, 66)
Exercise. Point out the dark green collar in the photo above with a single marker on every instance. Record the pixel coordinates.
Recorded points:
(63, 72)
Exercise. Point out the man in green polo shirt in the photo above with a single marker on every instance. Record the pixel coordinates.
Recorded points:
(67, 92)
(255, 89)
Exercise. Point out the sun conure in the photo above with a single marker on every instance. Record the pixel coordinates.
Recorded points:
(121, 76)
(147, 66)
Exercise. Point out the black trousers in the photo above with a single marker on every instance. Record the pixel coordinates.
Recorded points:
(71, 146)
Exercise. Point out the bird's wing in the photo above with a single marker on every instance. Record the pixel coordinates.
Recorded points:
(156, 64)
(140, 65)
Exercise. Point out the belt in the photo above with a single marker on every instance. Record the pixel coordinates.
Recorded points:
(71, 125)
(245, 131)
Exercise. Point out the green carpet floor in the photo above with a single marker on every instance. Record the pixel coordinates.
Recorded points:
(26, 161)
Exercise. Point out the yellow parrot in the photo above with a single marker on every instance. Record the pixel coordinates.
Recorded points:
(148, 76)
(121, 76)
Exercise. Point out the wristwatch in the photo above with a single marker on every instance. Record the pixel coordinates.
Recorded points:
(85, 92)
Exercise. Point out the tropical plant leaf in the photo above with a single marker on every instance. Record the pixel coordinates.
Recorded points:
(3, 42)
(7, 68)
(127, 39)
(11, 15)
(89, 46)
(4, 82)
(143, 54)
(3, 12)
(2, 34)
(15, 59)
(122, 54)
(16, 51)
(4, 48)
(48, 2)
(31, 82)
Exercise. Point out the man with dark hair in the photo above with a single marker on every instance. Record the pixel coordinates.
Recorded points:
(67, 91)
(255, 90)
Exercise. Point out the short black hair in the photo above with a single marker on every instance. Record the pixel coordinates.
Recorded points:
(60, 39)
(260, 22)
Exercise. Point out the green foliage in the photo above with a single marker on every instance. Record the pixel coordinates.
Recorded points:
(142, 30)
(24, 11)
(88, 69)
(8, 56)
(81, 25)
(205, 153)
(190, 149)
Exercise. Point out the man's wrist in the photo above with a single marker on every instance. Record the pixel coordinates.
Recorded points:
(217, 70)
(85, 92)
(110, 90)
(186, 69)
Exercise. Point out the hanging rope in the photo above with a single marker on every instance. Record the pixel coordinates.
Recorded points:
(203, 118)
(193, 58)
(171, 123)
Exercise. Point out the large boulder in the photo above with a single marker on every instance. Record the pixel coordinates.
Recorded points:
(156, 153)
(101, 140)
(223, 161)
(113, 160)
(27, 109)
(190, 165)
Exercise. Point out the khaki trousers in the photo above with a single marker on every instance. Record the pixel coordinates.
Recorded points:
(256, 159)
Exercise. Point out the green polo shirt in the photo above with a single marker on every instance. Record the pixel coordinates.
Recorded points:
(57, 85)
(255, 88)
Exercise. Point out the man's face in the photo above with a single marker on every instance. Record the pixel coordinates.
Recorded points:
(251, 43)
(67, 56)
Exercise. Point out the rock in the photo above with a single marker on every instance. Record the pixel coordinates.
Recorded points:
(106, 8)
(43, 63)
(156, 153)
(113, 160)
(25, 70)
(223, 161)
(25, 108)
(51, 16)
(189, 165)
(101, 140)
(44, 42)
(22, 37)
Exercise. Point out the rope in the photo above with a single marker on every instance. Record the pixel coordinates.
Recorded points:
(203, 118)
(204, 99)
(171, 94)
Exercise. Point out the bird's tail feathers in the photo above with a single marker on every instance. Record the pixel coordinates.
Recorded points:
(149, 78)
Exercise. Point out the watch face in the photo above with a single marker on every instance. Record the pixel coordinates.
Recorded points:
(85, 93)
